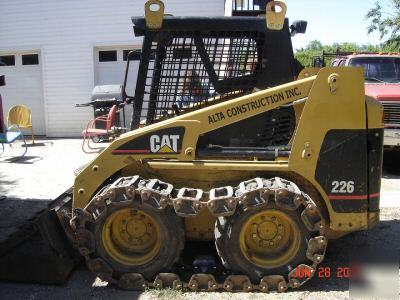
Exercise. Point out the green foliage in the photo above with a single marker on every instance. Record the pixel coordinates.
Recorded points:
(386, 23)
(316, 48)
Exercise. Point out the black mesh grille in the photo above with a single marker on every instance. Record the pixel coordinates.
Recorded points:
(188, 70)
(268, 129)
(278, 127)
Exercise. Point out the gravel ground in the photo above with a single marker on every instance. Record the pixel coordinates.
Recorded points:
(47, 171)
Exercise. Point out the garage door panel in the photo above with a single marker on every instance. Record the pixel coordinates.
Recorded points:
(24, 86)
(113, 72)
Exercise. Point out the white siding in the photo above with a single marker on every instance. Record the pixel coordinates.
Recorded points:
(66, 32)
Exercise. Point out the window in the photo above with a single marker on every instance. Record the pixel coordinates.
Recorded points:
(110, 55)
(30, 59)
(7, 60)
(135, 56)
(379, 68)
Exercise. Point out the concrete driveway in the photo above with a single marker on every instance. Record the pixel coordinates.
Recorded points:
(45, 172)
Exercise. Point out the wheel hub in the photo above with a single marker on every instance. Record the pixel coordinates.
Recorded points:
(267, 230)
(131, 236)
(136, 228)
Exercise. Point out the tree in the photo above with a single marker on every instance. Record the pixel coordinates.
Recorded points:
(315, 49)
(386, 23)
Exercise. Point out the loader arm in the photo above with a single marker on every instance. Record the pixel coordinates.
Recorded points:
(136, 145)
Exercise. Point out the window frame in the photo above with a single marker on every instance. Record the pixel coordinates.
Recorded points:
(107, 61)
(9, 65)
(35, 63)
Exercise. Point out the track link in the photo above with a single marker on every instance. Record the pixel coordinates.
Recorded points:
(187, 202)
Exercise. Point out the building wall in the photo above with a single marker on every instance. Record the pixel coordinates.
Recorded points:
(66, 33)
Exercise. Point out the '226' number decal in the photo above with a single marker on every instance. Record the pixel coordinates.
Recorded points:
(343, 187)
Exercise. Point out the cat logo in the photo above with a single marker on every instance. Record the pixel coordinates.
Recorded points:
(164, 143)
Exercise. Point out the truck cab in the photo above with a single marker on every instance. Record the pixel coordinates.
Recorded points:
(382, 82)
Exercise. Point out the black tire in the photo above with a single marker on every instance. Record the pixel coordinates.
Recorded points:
(171, 234)
(227, 241)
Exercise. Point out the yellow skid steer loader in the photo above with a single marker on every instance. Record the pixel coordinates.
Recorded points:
(234, 176)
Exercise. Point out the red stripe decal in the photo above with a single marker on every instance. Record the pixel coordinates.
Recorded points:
(353, 197)
(131, 151)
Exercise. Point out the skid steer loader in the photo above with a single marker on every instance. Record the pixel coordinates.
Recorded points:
(227, 149)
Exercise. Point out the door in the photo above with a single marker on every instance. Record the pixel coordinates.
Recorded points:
(24, 85)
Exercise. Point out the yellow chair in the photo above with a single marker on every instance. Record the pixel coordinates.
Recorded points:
(20, 115)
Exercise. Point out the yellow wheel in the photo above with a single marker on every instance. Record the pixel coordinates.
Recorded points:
(131, 236)
(261, 241)
(270, 238)
(134, 238)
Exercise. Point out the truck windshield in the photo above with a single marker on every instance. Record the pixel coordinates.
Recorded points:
(379, 69)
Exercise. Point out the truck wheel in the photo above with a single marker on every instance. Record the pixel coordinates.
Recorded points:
(265, 240)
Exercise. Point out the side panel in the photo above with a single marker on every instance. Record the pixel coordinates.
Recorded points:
(342, 170)
(336, 102)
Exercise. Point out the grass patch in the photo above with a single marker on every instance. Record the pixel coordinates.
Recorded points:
(166, 294)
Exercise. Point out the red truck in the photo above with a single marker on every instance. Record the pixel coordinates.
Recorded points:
(382, 82)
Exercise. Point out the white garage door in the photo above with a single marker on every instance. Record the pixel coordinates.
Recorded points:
(110, 69)
(23, 72)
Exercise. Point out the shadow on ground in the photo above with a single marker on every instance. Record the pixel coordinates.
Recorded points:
(41, 144)
(25, 160)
